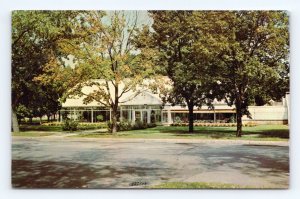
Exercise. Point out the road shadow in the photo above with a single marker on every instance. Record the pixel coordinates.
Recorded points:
(253, 160)
(51, 174)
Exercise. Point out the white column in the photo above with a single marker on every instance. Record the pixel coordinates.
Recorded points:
(149, 116)
(215, 117)
(129, 112)
(142, 116)
(169, 117)
(121, 114)
(92, 117)
(109, 114)
(133, 116)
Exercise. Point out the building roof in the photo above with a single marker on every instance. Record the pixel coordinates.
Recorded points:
(140, 96)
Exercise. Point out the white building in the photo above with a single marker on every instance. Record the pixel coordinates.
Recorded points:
(145, 106)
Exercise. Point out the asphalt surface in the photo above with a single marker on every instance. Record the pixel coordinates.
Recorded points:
(99, 163)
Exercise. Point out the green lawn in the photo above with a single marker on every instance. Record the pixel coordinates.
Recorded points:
(261, 132)
(196, 185)
(32, 134)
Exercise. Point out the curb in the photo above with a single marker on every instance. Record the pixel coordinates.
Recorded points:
(138, 140)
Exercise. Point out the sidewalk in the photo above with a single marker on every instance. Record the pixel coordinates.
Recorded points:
(66, 136)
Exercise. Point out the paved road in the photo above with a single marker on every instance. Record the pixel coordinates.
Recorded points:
(96, 163)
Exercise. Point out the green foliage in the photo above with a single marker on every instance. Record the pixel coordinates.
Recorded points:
(32, 134)
(70, 125)
(35, 36)
(121, 126)
(22, 111)
(139, 125)
(127, 126)
(104, 58)
(80, 126)
(253, 63)
(239, 56)
(232, 119)
(177, 120)
(183, 53)
(87, 126)
(100, 118)
(213, 124)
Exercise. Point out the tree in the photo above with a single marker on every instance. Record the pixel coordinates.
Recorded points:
(105, 59)
(34, 38)
(183, 53)
(253, 61)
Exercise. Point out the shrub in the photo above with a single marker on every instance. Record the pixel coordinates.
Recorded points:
(124, 126)
(139, 125)
(86, 126)
(232, 119)
(177, 119)
(121, 126)
(70, 125)
(151, 125)
(127, 126)
(100, 118)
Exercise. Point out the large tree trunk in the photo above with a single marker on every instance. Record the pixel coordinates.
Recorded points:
(59, 116)
(239, 115)
(114, 120)
(15, 124)
(191, 117)
(115, 110)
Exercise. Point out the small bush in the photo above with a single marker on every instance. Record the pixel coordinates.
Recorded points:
(177, 119)
(139, 125)
(70, 125)
(100, 118)
(151, 125)
(125, 126)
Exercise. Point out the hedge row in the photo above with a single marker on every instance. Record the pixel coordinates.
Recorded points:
(52, 124)
(70, 125)
(74, 125)
(213, 124)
